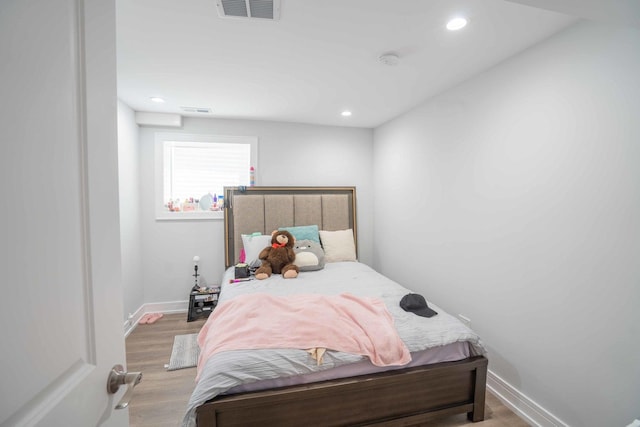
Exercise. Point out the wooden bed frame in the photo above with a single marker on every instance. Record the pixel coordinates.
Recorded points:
(402, 397)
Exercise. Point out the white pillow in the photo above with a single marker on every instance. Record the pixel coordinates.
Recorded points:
(338, 245)
(253, 244)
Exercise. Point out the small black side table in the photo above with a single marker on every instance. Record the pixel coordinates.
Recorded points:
(202, 303)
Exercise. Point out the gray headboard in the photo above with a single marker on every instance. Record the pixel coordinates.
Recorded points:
(264, 209)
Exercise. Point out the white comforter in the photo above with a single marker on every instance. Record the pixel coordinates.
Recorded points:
(230, 369)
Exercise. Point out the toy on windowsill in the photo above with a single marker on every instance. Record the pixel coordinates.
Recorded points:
(189, 205)
(173, 206)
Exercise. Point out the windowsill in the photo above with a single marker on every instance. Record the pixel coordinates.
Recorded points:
(186, 216)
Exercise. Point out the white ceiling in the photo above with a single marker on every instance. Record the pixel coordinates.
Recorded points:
(319, 58)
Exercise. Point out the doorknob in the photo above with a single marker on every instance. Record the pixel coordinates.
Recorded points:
(117, 377)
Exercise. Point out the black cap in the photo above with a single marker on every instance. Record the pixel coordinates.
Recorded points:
(416, 303)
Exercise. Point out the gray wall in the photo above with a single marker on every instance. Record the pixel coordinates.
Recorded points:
(288, 154)
(129, 189)
(517, 202)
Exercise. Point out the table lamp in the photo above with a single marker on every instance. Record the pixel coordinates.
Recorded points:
(195, 274)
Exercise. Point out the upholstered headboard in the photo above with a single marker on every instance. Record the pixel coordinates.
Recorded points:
(264, 209)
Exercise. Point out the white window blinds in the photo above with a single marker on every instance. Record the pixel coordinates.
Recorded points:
(194, 169)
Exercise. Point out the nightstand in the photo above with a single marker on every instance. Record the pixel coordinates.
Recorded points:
(202, 303)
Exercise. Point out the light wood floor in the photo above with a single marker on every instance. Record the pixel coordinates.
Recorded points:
(161, 398)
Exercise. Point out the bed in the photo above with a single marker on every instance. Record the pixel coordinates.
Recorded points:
(286, 386)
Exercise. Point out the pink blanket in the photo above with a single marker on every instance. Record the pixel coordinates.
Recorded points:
(343, 322)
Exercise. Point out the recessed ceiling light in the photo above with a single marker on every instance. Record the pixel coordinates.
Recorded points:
(156, 99)
(456, 24)
(346, 113)
(389, 58)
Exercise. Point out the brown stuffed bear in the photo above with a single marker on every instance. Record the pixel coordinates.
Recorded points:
(278, 258)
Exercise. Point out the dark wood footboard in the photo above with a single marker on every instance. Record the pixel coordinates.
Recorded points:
(394, 398)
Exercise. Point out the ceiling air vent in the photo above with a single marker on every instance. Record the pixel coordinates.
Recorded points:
(263, 9)
(202, 110)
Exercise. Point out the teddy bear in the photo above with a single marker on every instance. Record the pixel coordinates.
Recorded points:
(278, 258)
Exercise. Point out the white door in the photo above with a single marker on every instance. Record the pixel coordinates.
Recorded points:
(60, 301)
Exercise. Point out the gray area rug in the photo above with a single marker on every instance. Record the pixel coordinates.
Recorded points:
(184, 353)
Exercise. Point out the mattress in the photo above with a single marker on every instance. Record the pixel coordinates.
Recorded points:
(430, 340)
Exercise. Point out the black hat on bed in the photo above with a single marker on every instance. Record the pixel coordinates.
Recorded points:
(416, 303)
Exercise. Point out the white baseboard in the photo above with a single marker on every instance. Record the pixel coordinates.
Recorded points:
(167, 307)
(523, 406)
(154, 307)
(132, 322)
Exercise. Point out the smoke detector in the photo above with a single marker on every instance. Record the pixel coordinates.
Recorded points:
(261, 9)
(389, 59)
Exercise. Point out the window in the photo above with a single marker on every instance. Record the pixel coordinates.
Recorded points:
(192, 171)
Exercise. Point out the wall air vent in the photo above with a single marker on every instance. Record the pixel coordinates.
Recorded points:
(262, 9)
(201, 110)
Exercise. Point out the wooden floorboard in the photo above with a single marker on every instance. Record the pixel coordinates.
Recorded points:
(161, 398)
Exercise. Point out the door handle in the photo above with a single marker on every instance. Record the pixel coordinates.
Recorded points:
(117, 377)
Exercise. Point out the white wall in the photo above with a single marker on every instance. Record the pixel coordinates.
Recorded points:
(288, 154)
(129, 188)
(518, 205)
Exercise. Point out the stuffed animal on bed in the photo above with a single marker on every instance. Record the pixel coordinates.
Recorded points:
(309, 255)
(278, 258)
